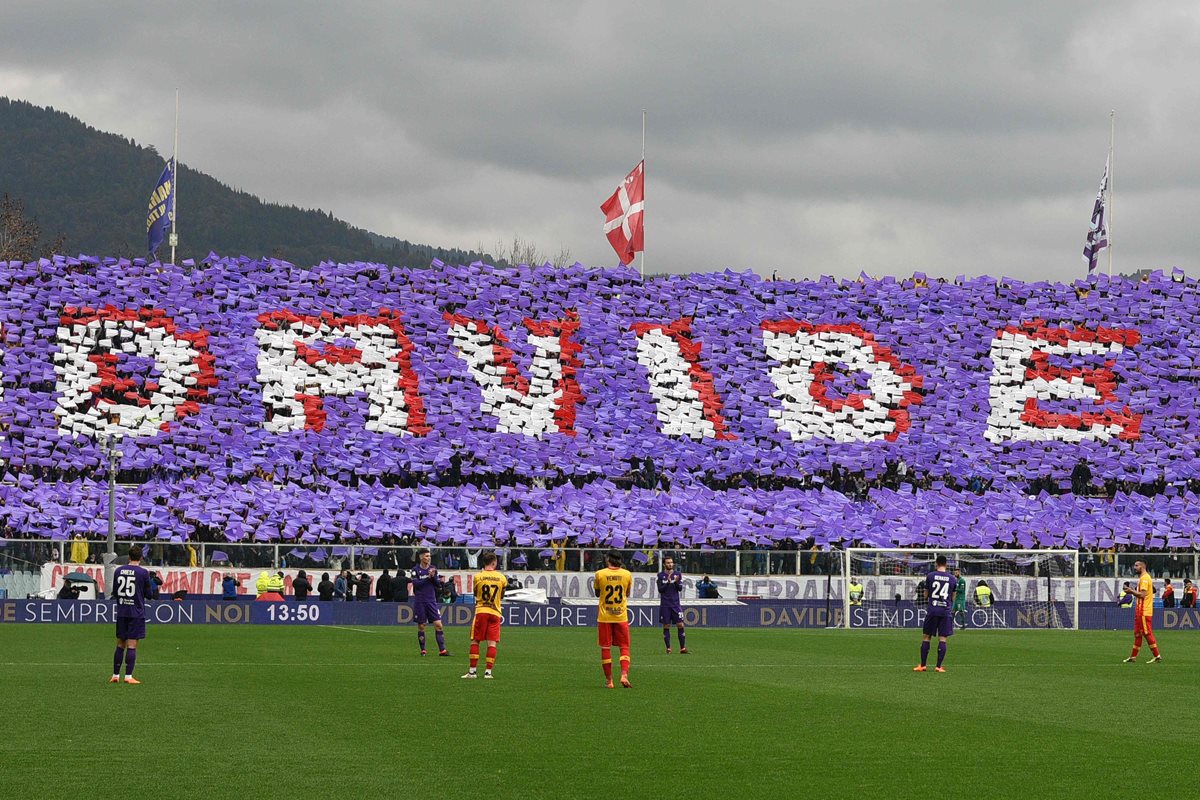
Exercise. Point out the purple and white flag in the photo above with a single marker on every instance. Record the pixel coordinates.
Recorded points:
(1097, 238)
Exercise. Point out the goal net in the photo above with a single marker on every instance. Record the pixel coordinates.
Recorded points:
(1004, 588)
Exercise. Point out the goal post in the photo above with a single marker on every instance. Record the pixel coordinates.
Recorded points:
(1021, 589)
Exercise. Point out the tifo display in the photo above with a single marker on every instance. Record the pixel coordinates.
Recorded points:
(259, 400)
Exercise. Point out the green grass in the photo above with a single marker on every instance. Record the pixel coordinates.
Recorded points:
(264, 712)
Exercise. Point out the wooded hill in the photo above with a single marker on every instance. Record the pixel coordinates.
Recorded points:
(91, 188)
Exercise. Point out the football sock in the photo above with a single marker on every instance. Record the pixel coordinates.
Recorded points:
(924, 652)
(606, 661)
(441, 640)
(421, 639)
(682, 638)
(491, 658)
(624, 660)
(130, 658)
(1153, 643)
(474, 655)
(941, 653)
(667, 637)
(118, 657)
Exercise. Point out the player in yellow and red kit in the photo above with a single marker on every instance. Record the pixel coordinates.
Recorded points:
(1143, 614)
(613, 584)
(490, 584)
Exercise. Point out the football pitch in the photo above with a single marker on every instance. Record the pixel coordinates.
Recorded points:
(268, 711)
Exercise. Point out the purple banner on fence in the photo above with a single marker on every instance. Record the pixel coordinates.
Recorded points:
(752, 614)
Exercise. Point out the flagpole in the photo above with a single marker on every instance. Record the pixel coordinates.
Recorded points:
(642, 269)
(175, 182)
(1112, 130)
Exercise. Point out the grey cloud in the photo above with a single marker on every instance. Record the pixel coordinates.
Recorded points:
(817, 138)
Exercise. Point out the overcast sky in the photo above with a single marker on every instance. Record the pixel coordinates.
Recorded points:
(812, 138)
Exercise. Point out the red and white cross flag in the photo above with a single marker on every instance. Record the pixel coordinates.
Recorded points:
(623, 215)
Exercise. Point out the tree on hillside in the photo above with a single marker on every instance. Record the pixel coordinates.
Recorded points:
(524, 251)
(20, 237)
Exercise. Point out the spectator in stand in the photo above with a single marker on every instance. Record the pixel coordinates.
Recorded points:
(1174, 565)
(229, 587)
(79, 550)
(400, 587)
(301, 586)
(325, 588)
(1168, 594)
(383, 587)
(362, 587)
(1081, 478)
(1189, 595)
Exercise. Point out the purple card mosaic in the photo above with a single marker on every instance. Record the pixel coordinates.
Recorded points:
(288, 402)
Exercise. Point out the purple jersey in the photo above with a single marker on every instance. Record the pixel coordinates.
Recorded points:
(424, 585)
(131, 584)
(939, 588)
(670, 585)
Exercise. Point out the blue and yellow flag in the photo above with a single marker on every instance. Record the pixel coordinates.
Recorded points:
(161, 211)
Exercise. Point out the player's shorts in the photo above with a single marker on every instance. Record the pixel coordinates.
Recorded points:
(424, 612)
(669, 616)
(485, 628)
(1143, 624)
(130, 628)
(938, 626)
(613, 633)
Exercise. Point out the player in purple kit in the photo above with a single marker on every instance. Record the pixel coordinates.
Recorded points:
(131, 585)
(670, 585)
(425, 584)
(939, 619)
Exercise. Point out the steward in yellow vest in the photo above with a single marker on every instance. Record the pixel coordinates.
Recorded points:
(856, 592)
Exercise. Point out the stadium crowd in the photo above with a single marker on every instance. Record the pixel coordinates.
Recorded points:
(260, 472)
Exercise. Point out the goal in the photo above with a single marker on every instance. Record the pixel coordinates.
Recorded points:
(1024, 588)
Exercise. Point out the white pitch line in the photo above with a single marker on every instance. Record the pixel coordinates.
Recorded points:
(347, 628)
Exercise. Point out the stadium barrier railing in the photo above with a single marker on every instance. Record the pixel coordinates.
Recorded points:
(29, 554)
